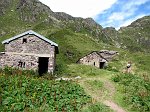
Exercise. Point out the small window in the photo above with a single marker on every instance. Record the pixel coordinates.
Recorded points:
(24, 40)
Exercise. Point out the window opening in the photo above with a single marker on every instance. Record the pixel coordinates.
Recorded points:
(24, 40)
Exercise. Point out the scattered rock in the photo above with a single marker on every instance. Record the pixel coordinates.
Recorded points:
(67, 79)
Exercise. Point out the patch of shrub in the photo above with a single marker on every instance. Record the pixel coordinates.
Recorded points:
(136, 91)
(15, 71)
(22, 93)
(116, 78)
(110, 68)
(98, 107)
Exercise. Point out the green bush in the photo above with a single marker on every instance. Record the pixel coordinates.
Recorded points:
(136, 92)
(116, 78)
(15, 71)
(110, 68)
(22, 93)
(8, 70)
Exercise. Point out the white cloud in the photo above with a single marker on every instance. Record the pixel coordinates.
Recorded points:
(129, 21)
(134, 3)
(79, 8)
(127, 10)
(119, 16)
(126, 15)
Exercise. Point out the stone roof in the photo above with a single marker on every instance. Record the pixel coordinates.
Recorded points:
(108, 52)
(108, 55)
(97, 52)
(32, 33)
(104, 54)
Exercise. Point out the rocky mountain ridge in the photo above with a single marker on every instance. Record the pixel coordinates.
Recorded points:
(134, 37)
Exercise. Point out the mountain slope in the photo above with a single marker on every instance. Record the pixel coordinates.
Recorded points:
(76, 37)
(136, 36)
(32, 14)
(80, 35)
(21, 15)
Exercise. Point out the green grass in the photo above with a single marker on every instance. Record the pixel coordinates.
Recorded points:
(97, 107)
(87, 71)
(134, 92)
(72, 46)
(96, 84)
(130, 35)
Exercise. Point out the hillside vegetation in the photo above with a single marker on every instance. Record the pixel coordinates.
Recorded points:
(24, 93)
(76, 37)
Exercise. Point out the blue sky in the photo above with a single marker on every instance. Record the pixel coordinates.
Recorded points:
(108, 13)
(123, 12)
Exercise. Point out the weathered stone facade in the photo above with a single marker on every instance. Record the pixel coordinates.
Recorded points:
(93, 59)
(33, 45)
(98, 59)
(25, 52)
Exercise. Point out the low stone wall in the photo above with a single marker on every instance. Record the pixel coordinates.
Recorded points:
(2, 62)
(19, 61)
(26, 62)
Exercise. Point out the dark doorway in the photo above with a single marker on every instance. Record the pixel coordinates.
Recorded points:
(102, 65)
(43, 65)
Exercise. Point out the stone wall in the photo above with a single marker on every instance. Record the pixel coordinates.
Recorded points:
(24, 53)
(52, 58)
(26, 62)
(13, 60)
(91, 59)
(29, 44)
(99, 59)
(2, 62)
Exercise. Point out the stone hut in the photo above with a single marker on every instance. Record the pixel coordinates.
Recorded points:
(29, 51)
(98, 59)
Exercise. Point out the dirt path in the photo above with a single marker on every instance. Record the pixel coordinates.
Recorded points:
(104, 95)
(113, 106)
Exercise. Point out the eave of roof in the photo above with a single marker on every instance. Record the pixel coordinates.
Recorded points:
(30, 32)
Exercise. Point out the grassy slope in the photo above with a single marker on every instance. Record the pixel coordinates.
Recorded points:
(72, 46)
(136, 36)
(69, 42)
